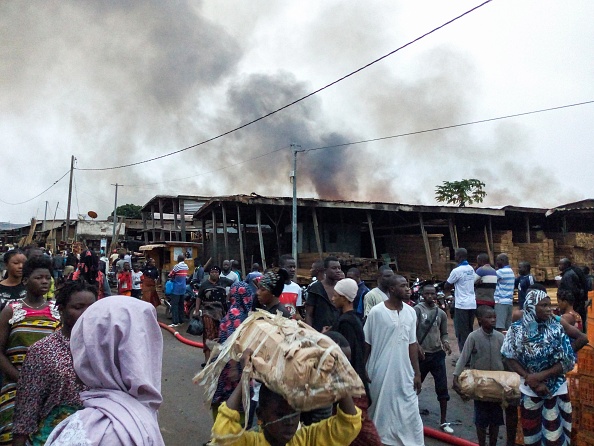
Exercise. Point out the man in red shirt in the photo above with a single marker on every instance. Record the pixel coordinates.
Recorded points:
(291, 296)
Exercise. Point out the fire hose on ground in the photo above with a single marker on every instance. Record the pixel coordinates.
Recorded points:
(429, 432)
(446, 438)
(180, 337)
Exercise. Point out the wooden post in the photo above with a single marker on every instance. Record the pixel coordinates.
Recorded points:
(175, 226)
(260, 238)
(153, 221)
(162, 234)
(240, 232)
(182, 219)
(317, 231)
(527, 228)
(491, 235)
(453, 233)
(204, 239)
(426, 243)
(491, 260)
(225, 235)
(144, 228)
(215, 253)
(374, 249)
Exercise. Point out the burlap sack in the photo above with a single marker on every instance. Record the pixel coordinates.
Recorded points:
(306, 367)
(485, 385)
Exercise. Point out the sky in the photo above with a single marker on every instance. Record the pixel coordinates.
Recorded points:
(121, 82)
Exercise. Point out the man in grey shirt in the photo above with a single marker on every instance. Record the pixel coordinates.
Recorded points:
(432, 336)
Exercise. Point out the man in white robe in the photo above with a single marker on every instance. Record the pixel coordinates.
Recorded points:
(393, 368)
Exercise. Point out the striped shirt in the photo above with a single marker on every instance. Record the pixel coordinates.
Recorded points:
(504, 292)
(485, 290)
(179, 274)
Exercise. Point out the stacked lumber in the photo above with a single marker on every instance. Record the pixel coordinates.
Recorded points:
(541, 253)
(575, 239)
(410, 253)
(367, 267)
(475, 243)
(576, 246)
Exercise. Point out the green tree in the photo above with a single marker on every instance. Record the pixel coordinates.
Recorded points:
(461, 192)
(129, 211)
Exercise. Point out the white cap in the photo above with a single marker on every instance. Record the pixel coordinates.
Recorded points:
(347, 288)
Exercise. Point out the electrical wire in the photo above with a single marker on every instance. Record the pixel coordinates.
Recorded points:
(481, 121)
(352, 73)
(382, 138)
(40, 193)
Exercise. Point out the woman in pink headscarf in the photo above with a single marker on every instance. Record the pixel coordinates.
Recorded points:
(117, 349)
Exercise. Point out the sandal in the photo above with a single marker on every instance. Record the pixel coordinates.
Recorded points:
(446, 428)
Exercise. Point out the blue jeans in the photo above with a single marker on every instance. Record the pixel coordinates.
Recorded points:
(177, 308)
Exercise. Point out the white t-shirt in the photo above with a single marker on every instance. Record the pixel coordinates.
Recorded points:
(136, 280)
(462, 277)
(291, 298)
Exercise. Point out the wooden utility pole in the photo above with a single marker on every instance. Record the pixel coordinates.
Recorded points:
(115, 219)
(69, 199)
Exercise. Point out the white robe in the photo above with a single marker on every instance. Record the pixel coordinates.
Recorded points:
(395, 406)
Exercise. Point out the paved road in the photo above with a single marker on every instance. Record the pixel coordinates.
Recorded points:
(185, 421)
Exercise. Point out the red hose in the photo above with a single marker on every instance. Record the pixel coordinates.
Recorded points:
(180, 337)
(447, 438)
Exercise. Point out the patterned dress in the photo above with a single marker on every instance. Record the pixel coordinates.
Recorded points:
(48, 390)
(28, 325)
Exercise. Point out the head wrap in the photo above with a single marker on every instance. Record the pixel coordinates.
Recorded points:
(347, 288)
(214, 268)
(117, 350)
(533, 297)
(274, 281)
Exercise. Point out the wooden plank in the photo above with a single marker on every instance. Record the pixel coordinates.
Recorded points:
(174, 233)
(369, 222)
(215, 250)
(153, 221)
(144, 227)
(491, 260)
(316, 231)
(182, 219)
(162, 235)
(240, 232)
(260, 237)
(426, 243)
(453, 235)
(225, 234)
(527, 228)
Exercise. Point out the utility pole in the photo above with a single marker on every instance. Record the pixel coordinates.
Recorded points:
(115, 216)
(69, 199)
(43, 225)
(293, 176)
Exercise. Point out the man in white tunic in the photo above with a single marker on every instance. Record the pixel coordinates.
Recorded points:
(393, 368)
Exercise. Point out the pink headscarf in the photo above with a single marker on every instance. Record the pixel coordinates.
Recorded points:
(117, 349)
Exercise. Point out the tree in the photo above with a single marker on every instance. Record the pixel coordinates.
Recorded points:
(129, 211)
(461, 192)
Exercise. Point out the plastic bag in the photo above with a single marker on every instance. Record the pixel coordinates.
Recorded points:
(195, 327)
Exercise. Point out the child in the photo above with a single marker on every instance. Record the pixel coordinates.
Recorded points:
(136, 282)
(279, 422)
(524, 281)
(565, 300)
(125, 281)
(483, 349)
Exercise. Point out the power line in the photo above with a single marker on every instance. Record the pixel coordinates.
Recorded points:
(382, 138)
(481, 121)
(352, 73)
(39, 194)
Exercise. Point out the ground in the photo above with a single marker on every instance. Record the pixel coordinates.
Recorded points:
(185, 420)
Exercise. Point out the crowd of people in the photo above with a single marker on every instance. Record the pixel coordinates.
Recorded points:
(72, 373)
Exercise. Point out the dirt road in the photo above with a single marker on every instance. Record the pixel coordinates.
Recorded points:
(185, 421)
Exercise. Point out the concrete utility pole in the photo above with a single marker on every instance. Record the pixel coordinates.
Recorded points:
(293, 177)
(69, 199)
(115, 215)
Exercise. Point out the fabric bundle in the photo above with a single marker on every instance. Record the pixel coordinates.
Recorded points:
(486, 385)
(306, 367)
